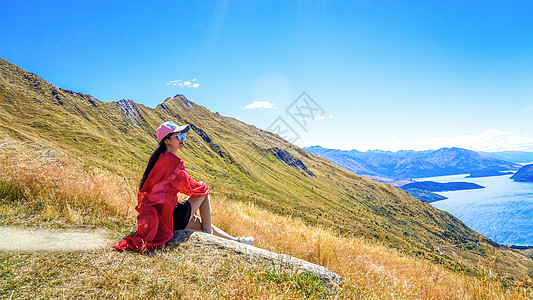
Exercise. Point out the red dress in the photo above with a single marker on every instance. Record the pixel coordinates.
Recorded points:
(157, 200)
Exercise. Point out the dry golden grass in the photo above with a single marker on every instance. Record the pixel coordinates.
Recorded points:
(39, 187)
(186, 272)
(372, 270)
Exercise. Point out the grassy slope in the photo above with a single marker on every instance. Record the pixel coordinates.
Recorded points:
(50, 190)
(231, 156)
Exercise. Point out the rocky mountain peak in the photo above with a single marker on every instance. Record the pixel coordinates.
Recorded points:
(184, 101)
(128, 108)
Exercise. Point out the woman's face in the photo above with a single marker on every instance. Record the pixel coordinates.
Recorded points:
(174, 143)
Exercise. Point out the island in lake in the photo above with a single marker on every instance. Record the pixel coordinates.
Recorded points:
(525, 174)
(425, 190)
(442, 187)
(487, 173)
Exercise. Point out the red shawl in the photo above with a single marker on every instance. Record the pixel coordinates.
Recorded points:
(157, 200)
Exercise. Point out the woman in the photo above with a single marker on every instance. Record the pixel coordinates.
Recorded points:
(159, 211)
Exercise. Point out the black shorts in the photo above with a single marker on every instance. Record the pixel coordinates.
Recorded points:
(181, 215)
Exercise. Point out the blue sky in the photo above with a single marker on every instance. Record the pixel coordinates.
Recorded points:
(382, 74)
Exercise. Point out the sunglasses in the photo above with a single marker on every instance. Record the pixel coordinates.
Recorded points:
(180, 136)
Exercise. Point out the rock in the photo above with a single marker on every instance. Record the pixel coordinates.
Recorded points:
(201, 133)
(128, 108)
(278, 260)
(184, 101)
(289, 159)
(93, 101)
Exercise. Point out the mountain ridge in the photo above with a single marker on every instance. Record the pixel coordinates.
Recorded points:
(518, 157)
(407, 164)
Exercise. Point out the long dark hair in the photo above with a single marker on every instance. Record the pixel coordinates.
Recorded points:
(153, 159)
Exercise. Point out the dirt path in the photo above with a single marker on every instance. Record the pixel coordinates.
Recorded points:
(27, 239)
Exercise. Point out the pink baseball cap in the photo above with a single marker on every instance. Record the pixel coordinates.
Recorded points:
(170, 127)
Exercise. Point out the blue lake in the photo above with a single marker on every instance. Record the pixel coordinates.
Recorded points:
(502, 211)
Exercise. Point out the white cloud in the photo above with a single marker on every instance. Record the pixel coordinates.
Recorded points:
(488, 140)
(186, 83)
(174, 82)
(320, 117)
(260, 104)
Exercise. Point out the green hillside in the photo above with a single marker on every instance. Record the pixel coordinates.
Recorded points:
(239, 162)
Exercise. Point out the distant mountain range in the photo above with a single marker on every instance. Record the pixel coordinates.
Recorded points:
(519, 157)
(413, 164)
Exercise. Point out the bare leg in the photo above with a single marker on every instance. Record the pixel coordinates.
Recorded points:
(202, 203)
(196, 224)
